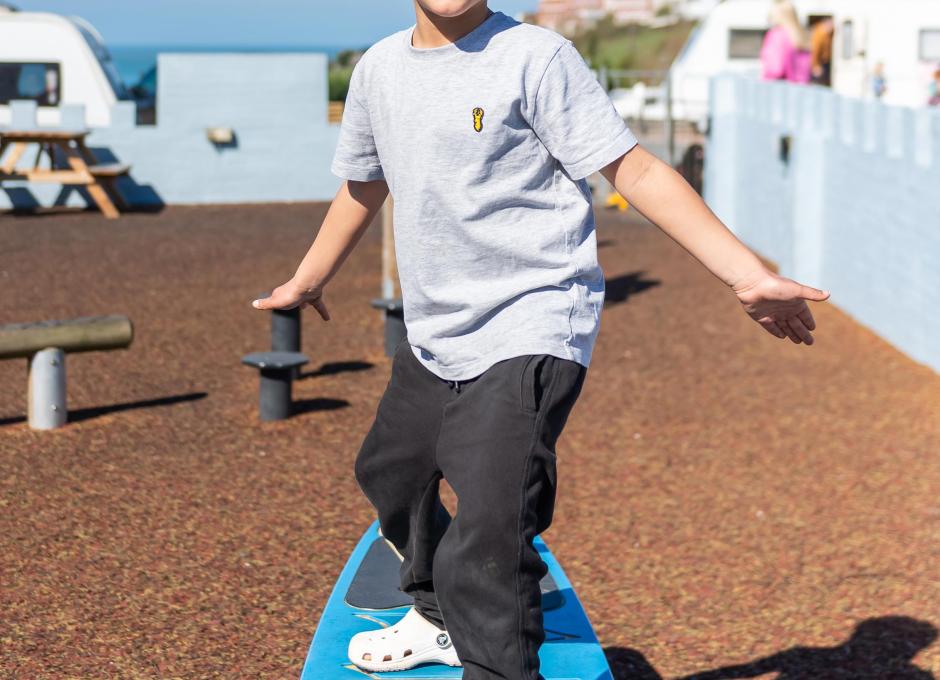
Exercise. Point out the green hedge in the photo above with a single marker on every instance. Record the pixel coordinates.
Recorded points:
(339, 82)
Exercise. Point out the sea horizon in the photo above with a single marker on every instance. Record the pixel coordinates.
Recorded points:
(133, 61)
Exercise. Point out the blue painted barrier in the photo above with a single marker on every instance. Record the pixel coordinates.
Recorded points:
(841, 193)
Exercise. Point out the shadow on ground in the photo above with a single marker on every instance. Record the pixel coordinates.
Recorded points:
(318, 404)
(22, 210)
(337, 367)
(629, 664)
(879, 648)
(620, 288)
(80, 414)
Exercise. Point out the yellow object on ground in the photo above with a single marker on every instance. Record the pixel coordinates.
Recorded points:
(615, 200)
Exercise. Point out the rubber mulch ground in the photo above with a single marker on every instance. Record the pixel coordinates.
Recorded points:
(730, 505)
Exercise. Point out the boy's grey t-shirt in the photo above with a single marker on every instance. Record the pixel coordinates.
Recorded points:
(485, 144)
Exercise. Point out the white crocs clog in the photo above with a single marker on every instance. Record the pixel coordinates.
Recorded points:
(413, 640)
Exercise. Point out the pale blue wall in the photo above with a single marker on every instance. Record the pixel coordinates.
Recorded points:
(275, 103)
(856, 210)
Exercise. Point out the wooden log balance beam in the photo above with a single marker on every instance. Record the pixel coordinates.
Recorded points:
(45, 345)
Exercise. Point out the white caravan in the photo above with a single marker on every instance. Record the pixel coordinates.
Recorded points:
(55, 60)
(902, 35)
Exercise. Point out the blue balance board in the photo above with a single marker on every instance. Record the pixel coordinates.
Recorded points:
(367, 596)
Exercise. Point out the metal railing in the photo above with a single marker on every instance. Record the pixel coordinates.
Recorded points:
(641, 97)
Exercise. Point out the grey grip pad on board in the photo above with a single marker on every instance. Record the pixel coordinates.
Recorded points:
(376, 583)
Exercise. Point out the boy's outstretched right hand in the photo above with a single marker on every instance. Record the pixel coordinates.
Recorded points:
(292, 295)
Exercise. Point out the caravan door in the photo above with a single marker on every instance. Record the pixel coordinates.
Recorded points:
(850, 68)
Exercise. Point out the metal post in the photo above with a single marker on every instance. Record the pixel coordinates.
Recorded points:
(389, 262)
(47, 395)
(390, 302)
(670, 123)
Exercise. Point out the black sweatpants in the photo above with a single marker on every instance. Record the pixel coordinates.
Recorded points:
(493, 439)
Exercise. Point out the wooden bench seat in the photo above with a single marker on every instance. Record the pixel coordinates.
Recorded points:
(107, 170)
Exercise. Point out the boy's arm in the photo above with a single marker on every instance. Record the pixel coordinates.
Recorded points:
(350, 213)
(660, 194)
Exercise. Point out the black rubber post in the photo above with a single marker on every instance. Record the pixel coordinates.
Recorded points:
(275, 394)
(285, 330)
(395, 330)
(277, 374)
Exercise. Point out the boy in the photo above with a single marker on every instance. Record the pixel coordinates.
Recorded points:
(484, 130)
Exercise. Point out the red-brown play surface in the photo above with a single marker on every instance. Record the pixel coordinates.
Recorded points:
(725, 498)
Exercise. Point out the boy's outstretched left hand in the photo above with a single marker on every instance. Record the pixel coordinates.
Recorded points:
(779, 305)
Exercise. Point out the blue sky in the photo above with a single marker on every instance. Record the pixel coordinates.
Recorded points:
(338, 23)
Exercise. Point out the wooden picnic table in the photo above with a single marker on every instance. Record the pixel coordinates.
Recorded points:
(83, 169)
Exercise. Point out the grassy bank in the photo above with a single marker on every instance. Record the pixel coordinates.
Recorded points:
(632, 47)
(607, 45)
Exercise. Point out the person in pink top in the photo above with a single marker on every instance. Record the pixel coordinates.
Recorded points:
(785, 53)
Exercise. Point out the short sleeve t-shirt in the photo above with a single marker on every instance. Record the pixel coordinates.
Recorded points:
(485, 144)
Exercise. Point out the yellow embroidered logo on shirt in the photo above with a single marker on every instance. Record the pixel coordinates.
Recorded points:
(478, 119)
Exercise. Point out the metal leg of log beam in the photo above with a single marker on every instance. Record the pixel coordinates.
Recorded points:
(47, 395)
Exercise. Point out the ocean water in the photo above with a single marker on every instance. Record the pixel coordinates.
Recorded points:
(133, 61)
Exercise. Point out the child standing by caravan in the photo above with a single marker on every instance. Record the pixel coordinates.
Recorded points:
(934, 90)
(484, 130)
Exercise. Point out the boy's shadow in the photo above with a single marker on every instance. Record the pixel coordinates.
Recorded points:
(629, 664)
(621, 288)
(879, 649)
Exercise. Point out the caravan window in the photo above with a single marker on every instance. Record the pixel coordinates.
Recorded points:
(848, 39)
(745, 43)
(930, 44)
(38, 82)
(104, 58)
